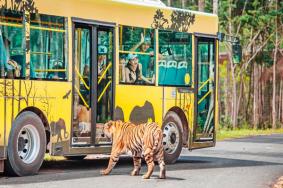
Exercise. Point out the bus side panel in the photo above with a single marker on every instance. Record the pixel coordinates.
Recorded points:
(139, 104)
(2, 117)
(184, 101)
(52, 98)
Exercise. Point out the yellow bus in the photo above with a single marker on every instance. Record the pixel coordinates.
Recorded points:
(69, 66)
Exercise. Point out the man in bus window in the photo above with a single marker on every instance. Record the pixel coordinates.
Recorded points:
(102, 59)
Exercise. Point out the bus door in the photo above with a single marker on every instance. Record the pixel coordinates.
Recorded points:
(93, 50)
(204, 126)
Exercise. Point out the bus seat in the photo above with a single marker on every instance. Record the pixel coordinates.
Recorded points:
(162, 71)
(171, 71)
(181, 73)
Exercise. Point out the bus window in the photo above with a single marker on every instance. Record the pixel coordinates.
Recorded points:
(137, 61)
(105, 73)
(47, 44)
(12, 62)
(175, 62)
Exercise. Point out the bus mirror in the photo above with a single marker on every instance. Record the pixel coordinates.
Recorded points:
(237, 53)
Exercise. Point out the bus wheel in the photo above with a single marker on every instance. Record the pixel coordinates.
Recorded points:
(26, 146)
(75, 158)
(172, 137)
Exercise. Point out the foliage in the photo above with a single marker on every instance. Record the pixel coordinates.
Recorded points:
(240, 133)
(247, 88)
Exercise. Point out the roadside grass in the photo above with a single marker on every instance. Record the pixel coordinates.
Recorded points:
(240, 133)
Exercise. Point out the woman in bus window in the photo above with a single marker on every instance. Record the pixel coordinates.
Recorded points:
(133, 71)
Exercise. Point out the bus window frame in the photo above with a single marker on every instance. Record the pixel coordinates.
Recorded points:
(212, 141)
(155, 32)
(66, 51)
(182, 88)
(94, 25)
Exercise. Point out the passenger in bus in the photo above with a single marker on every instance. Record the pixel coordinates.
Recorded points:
(102, 59)
(133, 71)
(9, 67)
(57, 74)
(122, 67)
(146, 60)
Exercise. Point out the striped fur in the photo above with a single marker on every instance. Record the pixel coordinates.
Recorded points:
(142, 140)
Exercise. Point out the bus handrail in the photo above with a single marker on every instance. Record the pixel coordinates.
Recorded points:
(105, 71)
(81, 96)
(51, 70)
(104, 90)
(205, 83)
(81, 78)
(41, 53)
(202, 99)
(11, 24)
(32, 27)
(133, 52)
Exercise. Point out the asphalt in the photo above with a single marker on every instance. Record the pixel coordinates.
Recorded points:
(248, 162)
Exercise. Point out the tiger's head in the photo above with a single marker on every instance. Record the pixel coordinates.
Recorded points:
(110, 128)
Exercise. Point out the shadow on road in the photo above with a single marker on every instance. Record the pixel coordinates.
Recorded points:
(67, 170)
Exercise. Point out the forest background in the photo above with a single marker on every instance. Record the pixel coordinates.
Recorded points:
(251, 92)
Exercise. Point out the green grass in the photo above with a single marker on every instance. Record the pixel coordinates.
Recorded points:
(230, 134)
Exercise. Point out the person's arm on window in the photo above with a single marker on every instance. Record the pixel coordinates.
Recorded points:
(142, 77)
(134, 48)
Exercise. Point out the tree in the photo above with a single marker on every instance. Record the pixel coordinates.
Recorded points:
(201, 5)
(215, 7)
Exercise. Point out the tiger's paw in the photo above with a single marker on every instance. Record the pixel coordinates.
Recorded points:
(104, 172)
(145, 176)
(135, 173)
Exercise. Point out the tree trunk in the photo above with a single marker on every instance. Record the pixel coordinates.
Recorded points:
(215, 7)
(227, 105)
(256, 95)
(184, 2)
(274, 74)
(234, 99)
(201, 5)
(169, 3)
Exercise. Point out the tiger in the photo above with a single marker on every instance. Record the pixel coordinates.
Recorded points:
(144, 140)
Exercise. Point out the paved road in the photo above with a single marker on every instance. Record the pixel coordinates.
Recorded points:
(239, 163)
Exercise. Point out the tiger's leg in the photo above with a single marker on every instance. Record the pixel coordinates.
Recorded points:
(137, 165)
(160, 158)
(114, 158)
(148, 156)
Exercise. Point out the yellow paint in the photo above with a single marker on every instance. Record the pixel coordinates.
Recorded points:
(187, 79)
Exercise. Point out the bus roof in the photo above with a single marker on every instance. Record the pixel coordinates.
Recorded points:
(137, 13)
(143, 2)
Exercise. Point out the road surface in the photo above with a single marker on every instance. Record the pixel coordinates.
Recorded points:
(240, 163)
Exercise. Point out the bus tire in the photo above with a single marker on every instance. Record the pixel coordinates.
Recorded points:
(75, 158)
(172, 137)
(26, 145)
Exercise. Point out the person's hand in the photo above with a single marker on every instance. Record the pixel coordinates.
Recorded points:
(142, 38)
(151, 53)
